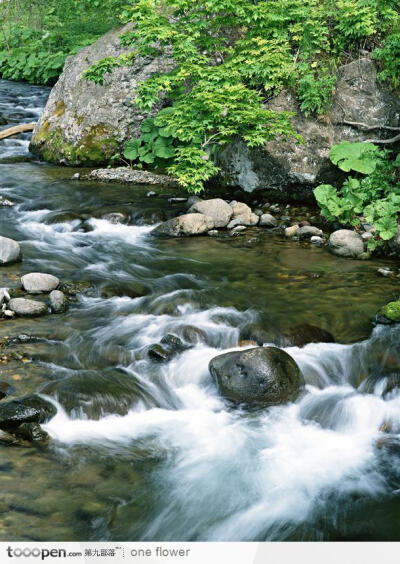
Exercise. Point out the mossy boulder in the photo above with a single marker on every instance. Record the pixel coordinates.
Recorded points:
(390, 313)
(86, 123)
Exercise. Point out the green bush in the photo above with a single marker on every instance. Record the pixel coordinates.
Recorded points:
(36, 36)
(231, 56)
(373, 196)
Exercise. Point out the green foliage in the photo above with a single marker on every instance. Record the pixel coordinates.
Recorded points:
(372, 198)
(229, 57)
(36, 36)
(155, 146)
(360, 157)
(391, 311)
(389, 56)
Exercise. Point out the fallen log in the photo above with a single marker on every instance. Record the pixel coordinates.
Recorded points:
(17, 129)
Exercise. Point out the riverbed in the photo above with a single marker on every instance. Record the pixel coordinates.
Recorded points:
(147, 450)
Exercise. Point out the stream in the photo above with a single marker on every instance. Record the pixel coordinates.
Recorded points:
(147, 450)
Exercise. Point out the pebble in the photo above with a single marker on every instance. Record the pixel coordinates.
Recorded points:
(239, 228)
(291, 231)
(151, 193)
(268, 220)
(316, 240)
(213, 233)
(367, 236)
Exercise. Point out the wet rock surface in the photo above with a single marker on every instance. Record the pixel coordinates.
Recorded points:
(28, 409)
(264, 374)
(185, 225)
(10, 251)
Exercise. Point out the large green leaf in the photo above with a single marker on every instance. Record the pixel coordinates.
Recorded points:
(131, 149)
(360, 157)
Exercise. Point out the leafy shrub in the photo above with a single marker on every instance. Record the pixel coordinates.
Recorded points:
(231, 56)
(372, 197)
(36, 37)
(389, 55)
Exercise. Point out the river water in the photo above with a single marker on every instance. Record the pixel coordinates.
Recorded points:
(142, 450)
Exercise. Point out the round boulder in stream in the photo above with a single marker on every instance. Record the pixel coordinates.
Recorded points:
(27, 308)
(10, 251)
(265, 375)
(26, 409)
(184, 225)
(38, 283)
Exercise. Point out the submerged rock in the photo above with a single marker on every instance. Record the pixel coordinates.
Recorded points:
(27, 308)
(346, 243)
(185, 225)
(268, 220)
(242, 215)
(10, 251)
(31, 432)
(39, 283)
(95, 394)
(308, 231)
(260, 375)
(26, 409)
(302, 334)
(217, 209)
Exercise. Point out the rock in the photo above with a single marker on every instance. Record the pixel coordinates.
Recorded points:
(260, 375)
(95, 394)
(173, 344)
(307, 232)
(10, 251)
(4, 296)
(8, 313)
(243, 215)
(192, 200)
(389, 314)
(76, 176)
(38, 283)
(58, 301)
(268, 220)
(177, 200)
(238, 229)
(367, 236)
(27, 308)
(302, 334)
(346, 243)
(184, 225)
(31, 432)
(158, 353)
(192, 335)
(85, 123)
(291, 231)
(217, 209)
(127, 175)
(6, 389)
(115, 217)
(213, 233)
(248, 343)
(296, 168)
(151, 194)
(385, 272)
(26, 409)
(316, 240)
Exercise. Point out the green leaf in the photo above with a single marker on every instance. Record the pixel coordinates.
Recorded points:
(131, 149)
(360, 157)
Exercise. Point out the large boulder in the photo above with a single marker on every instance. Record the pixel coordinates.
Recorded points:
(9, 251)
(219, 210)
(265, 375)
(26, 409)
(346, 243)
(86, 123)
(284, 165)
(184, 225)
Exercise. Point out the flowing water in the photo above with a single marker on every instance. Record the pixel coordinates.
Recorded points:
(143, 450)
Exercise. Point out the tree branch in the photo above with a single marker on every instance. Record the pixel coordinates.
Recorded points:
(384, 141)
(369, 127)
(17, 129)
